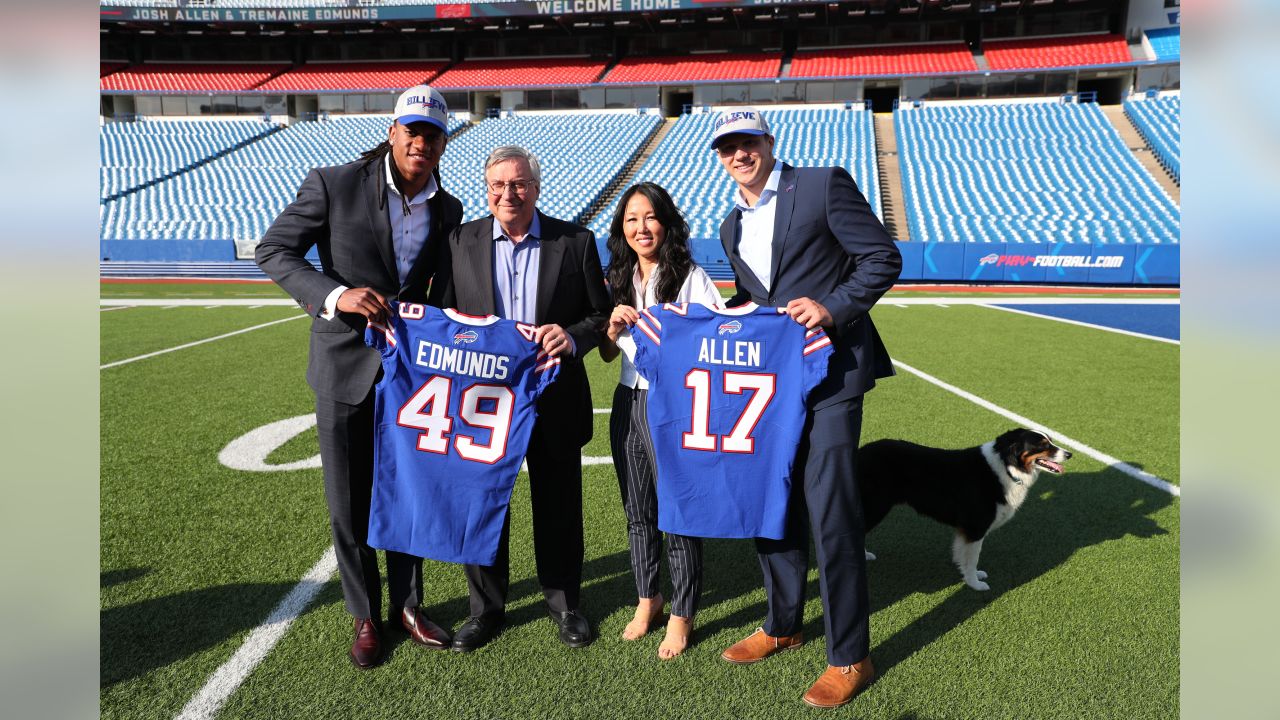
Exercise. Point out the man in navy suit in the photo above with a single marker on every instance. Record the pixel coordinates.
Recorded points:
(806, 239)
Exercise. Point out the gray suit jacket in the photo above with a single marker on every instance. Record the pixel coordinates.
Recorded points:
(342, 212)
(571, 294)
(827, 246)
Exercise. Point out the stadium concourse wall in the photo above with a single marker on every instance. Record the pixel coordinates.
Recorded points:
(1055, 263)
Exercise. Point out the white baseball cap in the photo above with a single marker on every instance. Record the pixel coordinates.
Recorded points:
(422, 103)
(746, 120)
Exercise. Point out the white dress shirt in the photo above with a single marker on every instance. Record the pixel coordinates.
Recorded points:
(697, 288)
(755, 229)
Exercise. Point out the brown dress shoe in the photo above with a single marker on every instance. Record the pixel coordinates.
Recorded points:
(422, 631)
(366, 648)
(839, 685)
(759, 646)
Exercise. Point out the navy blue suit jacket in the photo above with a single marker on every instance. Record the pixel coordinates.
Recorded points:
(828, 246)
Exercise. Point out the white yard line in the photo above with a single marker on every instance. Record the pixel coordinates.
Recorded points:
(1085, 324)
(190, 302)
(1058, 437)
(115, 307)
(224, 681)
(197, 342)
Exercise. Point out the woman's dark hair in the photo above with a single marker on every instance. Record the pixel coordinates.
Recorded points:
(673, 254)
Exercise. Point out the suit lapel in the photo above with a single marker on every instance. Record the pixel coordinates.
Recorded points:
(375, 195)
(728, 239)
(479, 254)
(551, 257)
(784, 207)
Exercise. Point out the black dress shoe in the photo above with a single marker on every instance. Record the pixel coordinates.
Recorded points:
(366, 647)
(420, 628)
(575, 631)
(475, 632)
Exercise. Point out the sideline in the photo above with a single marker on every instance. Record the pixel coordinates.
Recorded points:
(1069, 321)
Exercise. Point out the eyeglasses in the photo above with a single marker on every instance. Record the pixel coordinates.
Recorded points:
(519, 187)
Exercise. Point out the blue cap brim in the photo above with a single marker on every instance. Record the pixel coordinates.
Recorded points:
(722, 136)
(409, 119)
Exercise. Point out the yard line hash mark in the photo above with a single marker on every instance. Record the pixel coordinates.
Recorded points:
(1058, 437)
(224, 681)
(198, 342)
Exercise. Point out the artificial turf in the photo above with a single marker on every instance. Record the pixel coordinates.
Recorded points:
(1081, 620)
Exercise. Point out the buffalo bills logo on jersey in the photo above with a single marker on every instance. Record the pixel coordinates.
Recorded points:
(728, 328)
(465, 337)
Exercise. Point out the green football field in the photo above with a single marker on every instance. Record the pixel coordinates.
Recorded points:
(1081, 620)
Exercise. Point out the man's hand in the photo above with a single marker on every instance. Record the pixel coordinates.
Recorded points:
(810, 313)
(553, 339)
(364, 301)
(624, 316)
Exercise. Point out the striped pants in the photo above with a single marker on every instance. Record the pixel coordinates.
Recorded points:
(633, 459)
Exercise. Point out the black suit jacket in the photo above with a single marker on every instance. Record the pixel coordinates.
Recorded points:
(828, 246)
(342, 212)
(571, 294)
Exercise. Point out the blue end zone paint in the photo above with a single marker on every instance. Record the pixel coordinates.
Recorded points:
(1157, 320)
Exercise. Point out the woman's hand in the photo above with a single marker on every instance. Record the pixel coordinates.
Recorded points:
(623, 317)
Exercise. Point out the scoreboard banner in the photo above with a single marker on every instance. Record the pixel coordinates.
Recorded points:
(204, 14)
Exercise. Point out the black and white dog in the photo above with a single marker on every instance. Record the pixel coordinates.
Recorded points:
(974, 490)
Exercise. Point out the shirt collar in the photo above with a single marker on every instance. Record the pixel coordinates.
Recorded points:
(535, 229)
(770, 189)
(427, 193)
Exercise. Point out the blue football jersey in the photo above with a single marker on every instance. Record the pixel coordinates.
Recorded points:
(452, 413)
(727, 390)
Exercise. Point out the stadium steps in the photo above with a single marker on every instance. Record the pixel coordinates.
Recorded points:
(981, 61)
(628, 173)
(1138, 146)
(199, 163)
(890, 177)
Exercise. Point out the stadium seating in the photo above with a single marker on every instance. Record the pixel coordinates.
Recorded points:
(135, 153)
(191, 77)
(1068, 51)
(935, 58)
(580, 155)
(1159, 120)
(521, 73)
(322, 76)
(691, 68)
(1026, 173)
(1166, 42)
(238, 195)
(106, 68)
(685, 165)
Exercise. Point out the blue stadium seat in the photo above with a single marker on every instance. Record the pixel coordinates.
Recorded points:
(1026, 173)
(135, 153)
(1166, 42)
(1159, 120)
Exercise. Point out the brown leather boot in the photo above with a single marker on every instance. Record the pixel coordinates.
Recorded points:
(366, 647)
(759, 646)
(839, 685)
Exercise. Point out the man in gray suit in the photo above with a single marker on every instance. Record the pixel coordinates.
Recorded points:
(805, 239)
(522, 265)
(378, 225)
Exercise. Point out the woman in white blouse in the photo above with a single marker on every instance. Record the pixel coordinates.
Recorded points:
(650, 264)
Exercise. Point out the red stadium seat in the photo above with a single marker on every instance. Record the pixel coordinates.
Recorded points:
(354, 76)
(685, 68)
(518, 73)
(1056, 52)
(934, 58)
(191, 77)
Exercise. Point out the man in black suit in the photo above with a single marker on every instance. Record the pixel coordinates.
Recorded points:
(378, 225)
(522, 265)
(806, 239)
